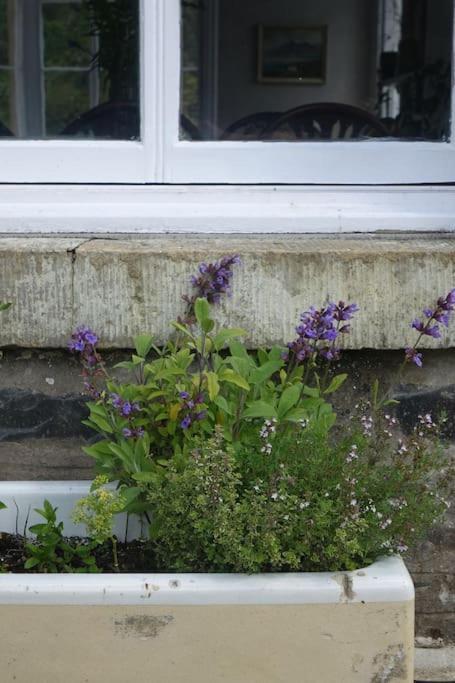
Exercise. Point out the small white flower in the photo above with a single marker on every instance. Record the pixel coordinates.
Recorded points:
(402, 548)
(274, 496)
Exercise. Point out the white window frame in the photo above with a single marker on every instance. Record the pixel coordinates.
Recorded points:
(164, 184)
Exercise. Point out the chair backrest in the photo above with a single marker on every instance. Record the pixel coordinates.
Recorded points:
(250, 127)
(325, 121)
(117, 121)
(5, 132)
(110, 120)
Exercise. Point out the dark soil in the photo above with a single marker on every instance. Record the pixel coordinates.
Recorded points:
(135, 556)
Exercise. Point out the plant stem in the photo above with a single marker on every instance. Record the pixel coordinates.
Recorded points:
(114, 553)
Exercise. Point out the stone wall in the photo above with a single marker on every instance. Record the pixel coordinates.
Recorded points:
(124, 287)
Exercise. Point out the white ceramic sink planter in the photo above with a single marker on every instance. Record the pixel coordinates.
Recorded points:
(346, 627)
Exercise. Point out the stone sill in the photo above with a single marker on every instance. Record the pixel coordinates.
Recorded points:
(129, 285)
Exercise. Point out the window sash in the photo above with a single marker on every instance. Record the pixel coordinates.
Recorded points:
(95, 161)
(160, 157)
(328, 162)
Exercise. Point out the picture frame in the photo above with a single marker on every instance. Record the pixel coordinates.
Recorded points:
(292, 54)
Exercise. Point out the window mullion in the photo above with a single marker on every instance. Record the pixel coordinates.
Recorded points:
(152, 86)
(452, 113)
(171, 62)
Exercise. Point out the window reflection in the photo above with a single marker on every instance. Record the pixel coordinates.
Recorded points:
(296, 70)
(69, 69)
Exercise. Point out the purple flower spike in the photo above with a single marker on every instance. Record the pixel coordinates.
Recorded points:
(440, 314)
(321, 326)
(214, 279)
(413, 356)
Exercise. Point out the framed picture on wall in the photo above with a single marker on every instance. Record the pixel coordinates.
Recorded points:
(292, 54)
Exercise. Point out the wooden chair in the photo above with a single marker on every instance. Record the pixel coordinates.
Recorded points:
(250, 127)
(325, 121)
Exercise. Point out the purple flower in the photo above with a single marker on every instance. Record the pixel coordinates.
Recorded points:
(184, 395)
(440, 314)
(433, 331)
(413, 356)
(441, 318)
(186, 422)
(126, 409)
(321, 326)
(83, 341)
(345, 312)
(81, 338)
(214, 279)
(418, 325)
(116, 400)
(133, 432)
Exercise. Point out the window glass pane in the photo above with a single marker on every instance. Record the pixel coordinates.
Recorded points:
(67, 35)
(297, 70)
(4, 38)
(67, 97)
(79, 74)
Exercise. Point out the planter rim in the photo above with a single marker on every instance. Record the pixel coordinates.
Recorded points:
(386, 580)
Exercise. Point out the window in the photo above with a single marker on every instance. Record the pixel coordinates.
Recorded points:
(227, 91)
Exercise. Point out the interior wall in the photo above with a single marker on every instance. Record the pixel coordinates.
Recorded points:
(351, 55)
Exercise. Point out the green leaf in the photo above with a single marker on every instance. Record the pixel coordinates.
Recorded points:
(288, 399)
(296, 414)
(31, 562)
(260, 409)
(336, 383)
(130, 494)
(143, 343)
(263, 356)
(238, 350)
(146, 477)
(391, 402)
(183, 329)
(226, 335)
(97, 409)
(137, 360)
(2, 506)
(127, 364)
(202, 310)
(313, 392)
(223, 405)
(265, 371)
(208, 325)
(228, 375)
(212, 385)
(99, 422)
(4, 306)
(276, 353)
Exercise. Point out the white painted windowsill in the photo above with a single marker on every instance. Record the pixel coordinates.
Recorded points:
(142, 209)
